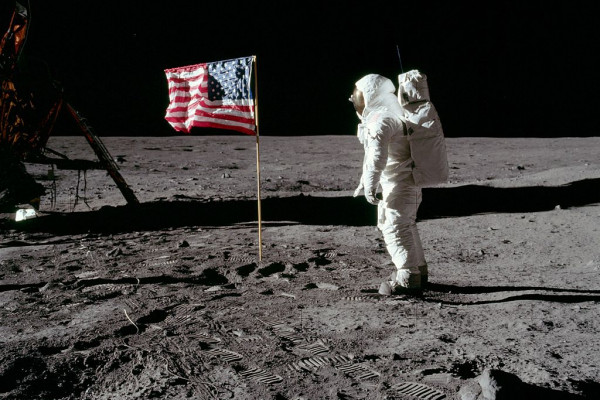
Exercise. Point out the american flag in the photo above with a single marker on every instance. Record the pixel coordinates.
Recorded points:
(215, 94)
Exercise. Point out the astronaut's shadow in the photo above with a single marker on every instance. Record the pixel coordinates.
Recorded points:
(559, 295)
(440, 202)
(475, 199)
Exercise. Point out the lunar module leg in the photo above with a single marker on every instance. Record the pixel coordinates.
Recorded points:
(104, 156)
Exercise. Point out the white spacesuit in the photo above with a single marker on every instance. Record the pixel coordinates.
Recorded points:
(388, 163)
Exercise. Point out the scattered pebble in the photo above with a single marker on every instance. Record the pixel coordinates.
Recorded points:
(327, 286)
(115, 252)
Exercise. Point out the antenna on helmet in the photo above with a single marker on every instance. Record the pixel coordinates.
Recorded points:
(399, 58)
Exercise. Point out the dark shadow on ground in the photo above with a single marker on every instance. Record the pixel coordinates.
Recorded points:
(556, 298)
(472, 199)
(569, 296)
(437, 287)
(304, 209)
(504, 385)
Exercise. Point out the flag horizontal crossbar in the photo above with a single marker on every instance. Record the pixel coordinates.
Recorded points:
(194, 66)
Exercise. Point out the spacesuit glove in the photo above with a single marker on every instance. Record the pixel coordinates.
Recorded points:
(370, 196)
(358, 189)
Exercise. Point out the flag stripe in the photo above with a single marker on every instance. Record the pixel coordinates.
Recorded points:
(244, 128)
(214, 95)
(239, 111)
(200, 115)
(182, 104)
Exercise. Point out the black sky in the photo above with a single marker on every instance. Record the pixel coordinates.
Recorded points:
(505, 69)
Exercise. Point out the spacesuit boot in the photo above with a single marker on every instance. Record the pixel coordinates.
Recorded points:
(402, 282)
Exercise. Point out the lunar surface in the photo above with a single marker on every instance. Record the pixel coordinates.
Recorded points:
(191, 295)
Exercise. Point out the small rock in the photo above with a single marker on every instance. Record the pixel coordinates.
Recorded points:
(48, 286)
(496, 384)
(225, 175)
(114, 252)
(328, 286)
(183, 243)
(470, 391)
(438, 378)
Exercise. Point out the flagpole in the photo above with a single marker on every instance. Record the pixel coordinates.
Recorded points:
(257, 158)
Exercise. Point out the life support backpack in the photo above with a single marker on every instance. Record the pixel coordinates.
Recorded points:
(424, 130)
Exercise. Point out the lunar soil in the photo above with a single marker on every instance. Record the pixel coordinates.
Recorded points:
(190, 295)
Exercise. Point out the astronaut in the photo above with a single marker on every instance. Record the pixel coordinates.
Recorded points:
(387, 163)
